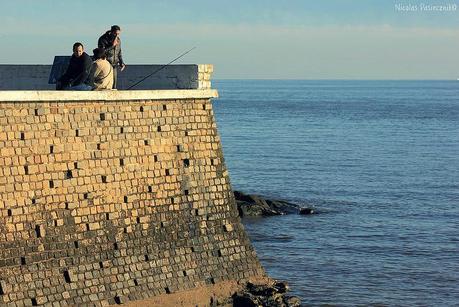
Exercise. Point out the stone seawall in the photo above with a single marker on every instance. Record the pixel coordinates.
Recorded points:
(113, 196)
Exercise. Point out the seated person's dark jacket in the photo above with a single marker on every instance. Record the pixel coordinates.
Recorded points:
(77, 71)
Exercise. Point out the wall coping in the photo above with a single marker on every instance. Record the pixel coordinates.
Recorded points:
(110, 95)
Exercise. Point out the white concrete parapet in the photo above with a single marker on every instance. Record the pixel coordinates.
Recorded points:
(111, 95)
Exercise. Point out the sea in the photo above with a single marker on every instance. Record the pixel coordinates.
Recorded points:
(379, 162)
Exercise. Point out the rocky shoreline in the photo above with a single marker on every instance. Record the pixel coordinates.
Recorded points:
(258, 291)
(250, 205)
(266, 295)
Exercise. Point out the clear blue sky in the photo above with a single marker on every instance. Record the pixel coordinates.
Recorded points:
(308, 39)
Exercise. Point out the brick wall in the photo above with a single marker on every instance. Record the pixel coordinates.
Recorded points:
(108, 200)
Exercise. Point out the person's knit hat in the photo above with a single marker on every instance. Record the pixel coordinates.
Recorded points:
(99, 53)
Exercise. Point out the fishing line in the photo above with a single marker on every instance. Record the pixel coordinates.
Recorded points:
(161, 68)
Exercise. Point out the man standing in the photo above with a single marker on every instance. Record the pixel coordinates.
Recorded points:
(111, 42)
(78, 70)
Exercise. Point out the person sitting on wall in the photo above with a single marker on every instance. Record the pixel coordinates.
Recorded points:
(78, 70)
(111, 42)
(101, 74)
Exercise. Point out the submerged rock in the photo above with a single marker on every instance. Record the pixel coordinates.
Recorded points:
(281, 287)
(256, 205)
(292, 301)
(306, 211)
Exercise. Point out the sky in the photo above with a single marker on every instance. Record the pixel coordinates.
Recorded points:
(248, 39)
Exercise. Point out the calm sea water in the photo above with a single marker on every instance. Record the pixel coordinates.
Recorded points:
(380, 159)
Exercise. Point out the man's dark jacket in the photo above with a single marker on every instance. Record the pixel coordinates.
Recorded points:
(77, 71)
(113, 53)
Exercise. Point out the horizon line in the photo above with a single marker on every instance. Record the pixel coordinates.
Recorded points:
(327, 79)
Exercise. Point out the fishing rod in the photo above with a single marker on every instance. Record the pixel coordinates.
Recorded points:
(161, 68)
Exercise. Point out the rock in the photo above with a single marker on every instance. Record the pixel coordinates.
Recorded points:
(260, 290)
(292, 301)
(282, 206)
(306, 211)
(244, 299)
(267, 295)
(278, 299)
(281, 287)
(255, 205)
